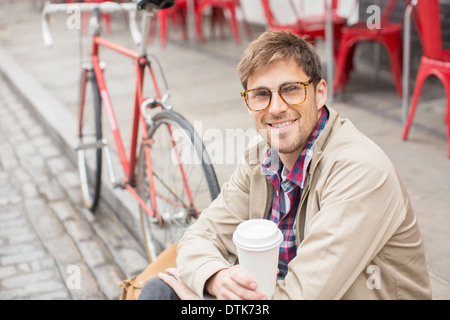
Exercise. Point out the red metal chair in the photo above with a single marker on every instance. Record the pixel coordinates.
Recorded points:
(228, 5)
(312, 27)
(434, 61)
(389, 34)
(218, 19)
(177, 13)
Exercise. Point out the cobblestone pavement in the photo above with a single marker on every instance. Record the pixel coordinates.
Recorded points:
(51, 247)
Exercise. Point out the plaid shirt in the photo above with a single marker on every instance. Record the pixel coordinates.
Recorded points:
(287, 194)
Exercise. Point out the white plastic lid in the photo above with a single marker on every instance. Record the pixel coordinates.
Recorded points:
(257, 235)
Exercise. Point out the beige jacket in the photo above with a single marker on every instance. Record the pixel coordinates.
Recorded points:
(358, 236)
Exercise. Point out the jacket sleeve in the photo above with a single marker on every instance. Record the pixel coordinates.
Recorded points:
(207, 245)
(361, 204)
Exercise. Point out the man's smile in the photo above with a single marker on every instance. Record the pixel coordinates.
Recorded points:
(281, 124)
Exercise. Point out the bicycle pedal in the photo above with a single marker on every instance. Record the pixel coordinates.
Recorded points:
(132, 183)
(120, 185)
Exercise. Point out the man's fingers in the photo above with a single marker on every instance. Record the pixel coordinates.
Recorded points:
(246, 288)
(172, 271)
(171, 281)
(171, 278)
(233, 284)
(239, 276)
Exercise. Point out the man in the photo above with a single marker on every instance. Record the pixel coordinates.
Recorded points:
(349, 229)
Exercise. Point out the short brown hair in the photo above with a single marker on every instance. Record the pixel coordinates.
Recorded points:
(279, 45)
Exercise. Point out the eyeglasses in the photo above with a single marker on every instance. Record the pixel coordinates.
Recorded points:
(292, 93)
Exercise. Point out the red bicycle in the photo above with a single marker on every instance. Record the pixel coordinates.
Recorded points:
(172, 177)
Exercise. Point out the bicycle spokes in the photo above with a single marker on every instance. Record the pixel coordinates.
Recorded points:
(180, 178)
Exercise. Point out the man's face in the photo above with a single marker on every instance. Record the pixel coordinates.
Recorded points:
(285, 128)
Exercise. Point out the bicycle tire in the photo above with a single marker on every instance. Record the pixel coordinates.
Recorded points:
(171, 198)
(89, 151)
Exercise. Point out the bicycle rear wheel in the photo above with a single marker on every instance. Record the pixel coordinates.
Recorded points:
(89, 151)
(184, 180)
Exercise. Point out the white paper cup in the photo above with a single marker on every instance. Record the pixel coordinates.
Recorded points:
(258, 244)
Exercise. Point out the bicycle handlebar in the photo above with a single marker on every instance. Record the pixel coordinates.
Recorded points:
(104, 7)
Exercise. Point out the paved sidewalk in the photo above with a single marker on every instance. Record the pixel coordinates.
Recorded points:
(50, 247)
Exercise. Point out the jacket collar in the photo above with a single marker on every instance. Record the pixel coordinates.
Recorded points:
(321, 143)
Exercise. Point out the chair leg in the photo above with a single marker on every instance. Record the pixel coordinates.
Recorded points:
(447, 110)
(395, 58)
(183, 15)
(444, 77)
(234, 24)
(152, 29)
(219, 18)
(85, 22)
(348, 67)
(106, 18)
(198, 23)
(421, 76)
(448, 131)
(214, 19)
(446, 82)
(341, 63)
(447, 115)
(163, 25)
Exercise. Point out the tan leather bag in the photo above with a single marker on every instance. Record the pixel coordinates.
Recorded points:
(132, 287)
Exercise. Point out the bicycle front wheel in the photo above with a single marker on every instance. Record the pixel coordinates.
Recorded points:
(89, 151)
(184, 180)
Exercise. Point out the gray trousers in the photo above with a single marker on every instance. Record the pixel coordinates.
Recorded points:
(156, 289)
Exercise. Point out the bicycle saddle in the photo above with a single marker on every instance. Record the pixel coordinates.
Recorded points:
(157, 4)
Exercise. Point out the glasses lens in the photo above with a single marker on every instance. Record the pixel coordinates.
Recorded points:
(258, 99)
(293, 93)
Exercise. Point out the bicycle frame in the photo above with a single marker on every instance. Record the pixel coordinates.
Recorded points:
(140, 103)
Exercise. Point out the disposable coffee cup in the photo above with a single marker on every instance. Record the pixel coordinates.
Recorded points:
(258, 245)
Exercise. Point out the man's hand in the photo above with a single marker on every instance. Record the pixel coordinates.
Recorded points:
(183, 292)
(233, 284)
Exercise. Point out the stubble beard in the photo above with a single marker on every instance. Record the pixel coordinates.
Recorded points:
(272, 137)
